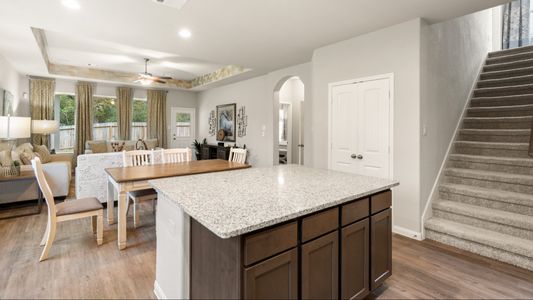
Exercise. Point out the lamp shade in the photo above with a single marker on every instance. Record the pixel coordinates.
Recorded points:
(45, 126)
(14, 127)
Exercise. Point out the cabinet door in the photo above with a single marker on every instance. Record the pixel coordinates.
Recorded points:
(355, 260)
(274, 278)
(320, 263)
(381, 248)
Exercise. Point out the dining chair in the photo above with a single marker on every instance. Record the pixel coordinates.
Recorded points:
(139, 158)
(176, 155)
(237, 155)
(66, 211)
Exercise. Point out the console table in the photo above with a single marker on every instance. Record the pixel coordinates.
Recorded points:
(215, 152)
(24, 176)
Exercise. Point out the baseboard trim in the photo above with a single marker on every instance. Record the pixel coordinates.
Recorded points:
(407, 233)
(159, 294)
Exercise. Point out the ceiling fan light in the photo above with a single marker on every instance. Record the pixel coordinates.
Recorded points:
(145, 81)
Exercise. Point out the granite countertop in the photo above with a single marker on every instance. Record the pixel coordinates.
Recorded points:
(237, 202)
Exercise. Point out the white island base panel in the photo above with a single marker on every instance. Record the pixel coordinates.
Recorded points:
(172, 252)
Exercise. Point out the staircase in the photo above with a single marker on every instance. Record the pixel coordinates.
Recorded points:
(485, 201)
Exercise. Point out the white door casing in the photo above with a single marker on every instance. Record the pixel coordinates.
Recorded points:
(360, 127)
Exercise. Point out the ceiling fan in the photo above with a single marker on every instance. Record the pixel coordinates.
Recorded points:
(147, 78)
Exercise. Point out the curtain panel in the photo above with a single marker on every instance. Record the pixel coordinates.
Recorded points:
(157, 124)
(515, 24)
(42, 94)
(84, 115)
(124, 112)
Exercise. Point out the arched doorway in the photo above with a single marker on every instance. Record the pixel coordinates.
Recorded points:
(289, 96)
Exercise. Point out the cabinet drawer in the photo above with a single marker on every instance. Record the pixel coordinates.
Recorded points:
(355, 211)
(274, 278)
(380, 202)
(319, 224)
(266, 243)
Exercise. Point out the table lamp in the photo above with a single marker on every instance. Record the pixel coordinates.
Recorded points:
(12, 128)
(44, 127)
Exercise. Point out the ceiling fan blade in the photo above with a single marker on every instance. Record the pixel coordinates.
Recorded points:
(165, 77)
(160, 81)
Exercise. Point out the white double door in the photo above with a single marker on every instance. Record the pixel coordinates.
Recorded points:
(360, 128)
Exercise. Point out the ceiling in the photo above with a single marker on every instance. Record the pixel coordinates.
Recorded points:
(262, 35)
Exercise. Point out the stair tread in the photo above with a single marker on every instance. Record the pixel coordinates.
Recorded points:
(487, 214)
(503, 107)
(494, 145)
(519, 118)
(486, 193)
(505, 87)
(509, 63)
(510, 56)
(483, 236)
(506, 78)
(503, 52)
(491, 174)
(496, 131)
(482, 158)
(498, 72)
(503, 97)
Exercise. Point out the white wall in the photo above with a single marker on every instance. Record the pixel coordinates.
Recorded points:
(257, 94)
(394, 50)
(9, 81)
(452, 55)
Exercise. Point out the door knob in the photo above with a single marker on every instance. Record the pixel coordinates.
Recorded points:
(359, 156)
(353, 156)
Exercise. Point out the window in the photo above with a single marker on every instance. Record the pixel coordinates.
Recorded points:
(105, 118)
(65, 108)
(139, 119)
(183, 124)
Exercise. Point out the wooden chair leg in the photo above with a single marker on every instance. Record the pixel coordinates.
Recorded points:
(51, 235)
(45, 236)
(93, 223)
(135, 213)
(100, 228)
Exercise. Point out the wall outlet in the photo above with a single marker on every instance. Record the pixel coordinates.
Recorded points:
(424, 130)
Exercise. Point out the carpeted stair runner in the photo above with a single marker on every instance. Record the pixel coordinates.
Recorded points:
(485, 201)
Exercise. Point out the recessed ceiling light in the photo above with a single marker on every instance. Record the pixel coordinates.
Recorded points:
(72, 4)
(185, 33)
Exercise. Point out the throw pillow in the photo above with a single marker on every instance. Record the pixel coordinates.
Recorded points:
(26, 147)
(98, 146)
(150, 143)
(42, 152)
(26, 157)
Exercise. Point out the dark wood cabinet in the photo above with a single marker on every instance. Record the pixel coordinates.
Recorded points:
(274, 278)
(320, 265)
(215, 152)
(380, 248)
(344, 251)
(355, 240)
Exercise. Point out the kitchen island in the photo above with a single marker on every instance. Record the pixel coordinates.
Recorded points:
(275, 232)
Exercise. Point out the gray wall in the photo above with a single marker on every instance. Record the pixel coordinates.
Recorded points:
(452, 55)
(394, 50)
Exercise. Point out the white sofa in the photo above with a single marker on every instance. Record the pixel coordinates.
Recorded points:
(58, 173)
(91, 178)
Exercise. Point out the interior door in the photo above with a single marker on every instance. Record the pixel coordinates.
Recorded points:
(182, 126)
(360, 122)
(343, 134)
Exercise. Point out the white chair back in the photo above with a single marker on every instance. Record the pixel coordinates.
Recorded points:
(176, 155)
(43, 185)
(138, 158)
(237, 155)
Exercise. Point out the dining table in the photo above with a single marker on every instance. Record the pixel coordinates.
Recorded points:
(126, 179)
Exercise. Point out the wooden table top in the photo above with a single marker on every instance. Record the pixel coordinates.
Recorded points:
(124, 174)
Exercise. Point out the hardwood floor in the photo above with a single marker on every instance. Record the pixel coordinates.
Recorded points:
(77, 268)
